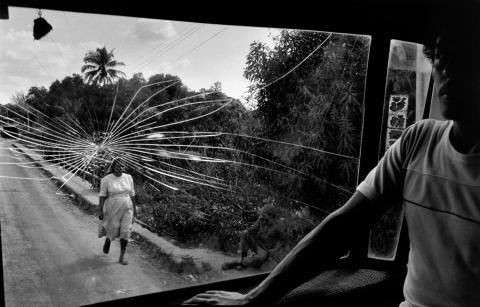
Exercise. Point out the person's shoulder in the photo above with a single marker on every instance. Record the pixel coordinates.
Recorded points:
(430, 124)
(426, 127)
(422, 137)
(107, 176)
(105, 179)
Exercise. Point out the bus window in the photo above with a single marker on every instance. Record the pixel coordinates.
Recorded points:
(239, 141)
(408, 78)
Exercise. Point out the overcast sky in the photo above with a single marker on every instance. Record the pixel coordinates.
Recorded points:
(200, 54)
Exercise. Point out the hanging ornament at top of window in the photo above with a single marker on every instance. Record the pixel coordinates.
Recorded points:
(40, 26)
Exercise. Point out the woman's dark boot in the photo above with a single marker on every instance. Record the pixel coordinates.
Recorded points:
(106, 245)
(123, 248)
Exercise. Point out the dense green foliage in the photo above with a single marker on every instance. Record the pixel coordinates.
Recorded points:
(318, 105)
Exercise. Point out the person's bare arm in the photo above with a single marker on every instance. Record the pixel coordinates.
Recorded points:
(101, 202)
(134, 207)
(132, 198)
(324, 245)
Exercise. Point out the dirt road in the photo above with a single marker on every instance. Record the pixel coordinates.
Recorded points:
(51, 254)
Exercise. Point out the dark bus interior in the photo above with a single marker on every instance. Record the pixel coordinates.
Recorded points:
(356, 280)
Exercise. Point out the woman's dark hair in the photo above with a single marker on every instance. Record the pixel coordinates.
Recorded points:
(112, 165)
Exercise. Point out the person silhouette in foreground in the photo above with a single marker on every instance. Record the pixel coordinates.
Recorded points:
(433, 171)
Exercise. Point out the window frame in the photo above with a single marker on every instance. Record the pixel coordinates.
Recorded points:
(373, 97)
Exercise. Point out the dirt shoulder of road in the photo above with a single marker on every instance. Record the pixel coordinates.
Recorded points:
(200, 264)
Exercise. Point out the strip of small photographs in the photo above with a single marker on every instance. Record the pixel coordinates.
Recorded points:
(397, 118)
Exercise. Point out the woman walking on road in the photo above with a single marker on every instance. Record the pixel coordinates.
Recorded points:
(117, 207)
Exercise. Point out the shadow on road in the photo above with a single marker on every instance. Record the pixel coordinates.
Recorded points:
(96, 262)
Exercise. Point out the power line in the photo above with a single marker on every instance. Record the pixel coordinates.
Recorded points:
(144, 56)
(170, 46)
(199, 45)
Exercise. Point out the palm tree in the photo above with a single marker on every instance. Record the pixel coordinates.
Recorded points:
(100, 66)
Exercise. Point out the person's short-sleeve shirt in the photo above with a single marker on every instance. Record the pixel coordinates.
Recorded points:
(112, 185)
(440, 190)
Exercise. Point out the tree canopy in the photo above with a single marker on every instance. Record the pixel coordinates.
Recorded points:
(100, 67)
(319, 105)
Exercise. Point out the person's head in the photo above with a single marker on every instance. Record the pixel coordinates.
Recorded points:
(116, 167)
(268, 215)
(455, 55)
